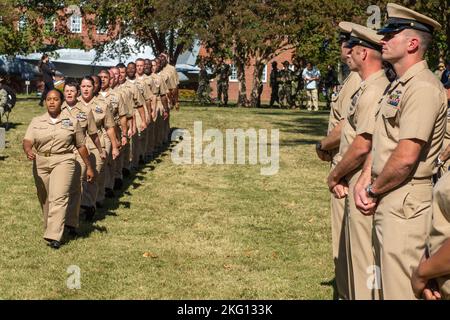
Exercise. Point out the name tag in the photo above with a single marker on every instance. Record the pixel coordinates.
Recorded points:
(98, 109)
(82, 116)
(66, 123)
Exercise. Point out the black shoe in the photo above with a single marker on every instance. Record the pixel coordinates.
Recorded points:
(126, 172)
(141, 161)
(54, 244)
(72, 231)
(98, 205)
(90, 214)
(118, 184)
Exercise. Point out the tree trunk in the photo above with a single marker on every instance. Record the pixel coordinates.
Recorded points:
(257, 86)
(242, 95)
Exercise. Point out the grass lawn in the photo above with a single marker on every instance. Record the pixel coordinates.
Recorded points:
(181, 232)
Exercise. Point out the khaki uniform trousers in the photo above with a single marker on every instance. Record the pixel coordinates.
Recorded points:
(53, 177)
(440, 231)
(339, 248)
(150, 138)
(105, 177)
(73, 211)
(90, 189)
(364, 281)
(402, 222)
(138, 141)
(313, 99)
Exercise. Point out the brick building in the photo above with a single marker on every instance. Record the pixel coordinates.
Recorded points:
(234, 84)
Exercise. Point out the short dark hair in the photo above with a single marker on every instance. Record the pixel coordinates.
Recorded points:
(104, 71)
(72, 83)
(121, 65)
(130, 63)
(89, 78)
(140, 59)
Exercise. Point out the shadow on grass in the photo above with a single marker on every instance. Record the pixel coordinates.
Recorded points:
(10, 125)
(112, 204)
(331, 283)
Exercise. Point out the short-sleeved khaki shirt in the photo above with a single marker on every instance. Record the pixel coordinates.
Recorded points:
(413, 107)
(144, 89)
(158, 85)
(363, 107)
(137, 99)
(103, 119)
(172, 75)
(83, 115)
(126, 97)
(339, 105)
(114, 100)
(342, 100)
(60, 137)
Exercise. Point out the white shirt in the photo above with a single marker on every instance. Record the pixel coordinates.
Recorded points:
(309, 74)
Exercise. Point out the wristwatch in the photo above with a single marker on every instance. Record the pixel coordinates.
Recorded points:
(370, 192)
(439, 162)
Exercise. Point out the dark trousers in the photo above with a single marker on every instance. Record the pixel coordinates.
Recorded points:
(48, 86)
(274, 96)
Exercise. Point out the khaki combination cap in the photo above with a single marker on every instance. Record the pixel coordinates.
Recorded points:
(345, 29)
(366, 37)
(401, 18)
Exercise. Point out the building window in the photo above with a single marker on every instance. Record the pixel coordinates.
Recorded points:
(75, 23)
(233, 76)
(264, 74)
(22, 23)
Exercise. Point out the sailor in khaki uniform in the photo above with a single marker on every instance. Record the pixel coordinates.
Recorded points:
(142, 83)
(49, 142)
(328, 150)
(408, 137)
(174, 79)
(72, 108)
(356, 142)
(162, 102)
(163, 126)
(123, 168)
(139, 113)
(115, 104)
(104, 121)
(120, 114)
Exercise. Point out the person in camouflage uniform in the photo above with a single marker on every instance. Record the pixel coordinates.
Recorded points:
(297, 85)
(223, 72)
(284, 80)
(274, 85)
(203, 89)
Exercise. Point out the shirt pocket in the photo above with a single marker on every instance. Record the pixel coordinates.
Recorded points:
(390, 115)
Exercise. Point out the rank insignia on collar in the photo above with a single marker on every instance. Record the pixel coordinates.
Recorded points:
(82, 116)
(98, 109)
(66, 123)
(394, 98)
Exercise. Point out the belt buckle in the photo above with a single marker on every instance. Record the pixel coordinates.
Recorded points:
(47, 154)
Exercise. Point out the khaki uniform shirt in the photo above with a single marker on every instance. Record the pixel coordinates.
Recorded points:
(127, 100)
(135, 97)
(413, 107)
(157, 85)
(114, 100)
(340, 104)
(60, 137)
(172, 74)
(84, 116)
(103, 119)
(144, 89)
